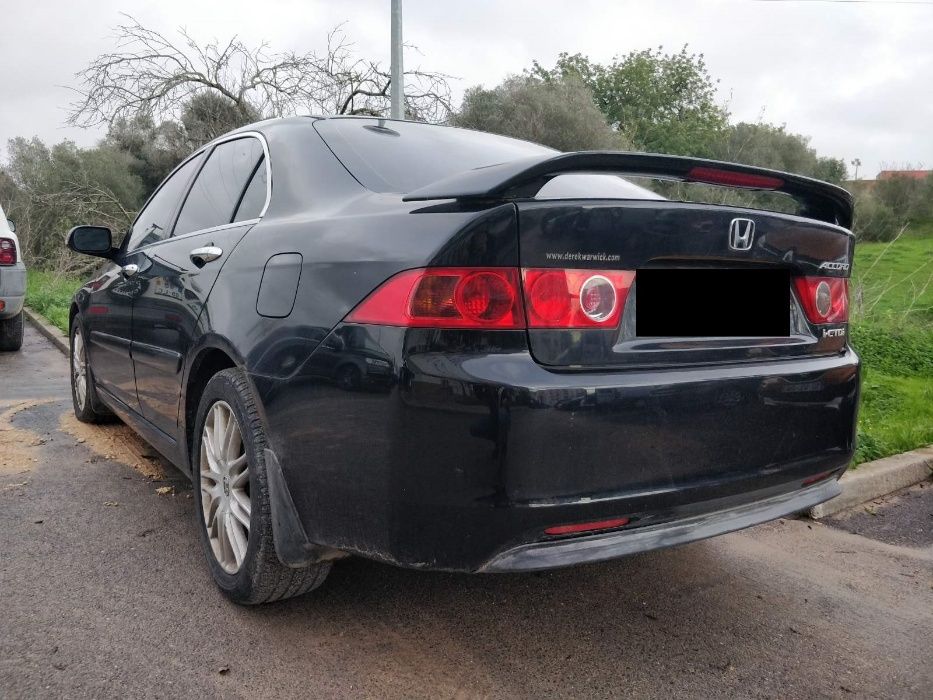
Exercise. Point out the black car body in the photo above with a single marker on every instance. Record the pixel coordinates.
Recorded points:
(436, 442)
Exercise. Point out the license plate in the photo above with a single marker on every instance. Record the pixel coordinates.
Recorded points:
(708, 302)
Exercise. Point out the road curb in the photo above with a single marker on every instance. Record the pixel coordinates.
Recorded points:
(41, 324)
(879, 478)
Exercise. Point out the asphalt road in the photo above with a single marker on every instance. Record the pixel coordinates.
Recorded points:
(103, 592)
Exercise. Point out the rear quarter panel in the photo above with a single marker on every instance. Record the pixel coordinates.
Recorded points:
(350, 241)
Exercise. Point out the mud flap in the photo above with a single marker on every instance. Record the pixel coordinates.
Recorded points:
(288, 534)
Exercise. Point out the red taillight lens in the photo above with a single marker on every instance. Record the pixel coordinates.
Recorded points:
(575, 298)
(824, 299)
(728, 178)
(446, 297)
(7, 251)
(578, 528)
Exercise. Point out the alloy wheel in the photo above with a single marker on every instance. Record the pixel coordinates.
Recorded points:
(79, 370)
(224, 476)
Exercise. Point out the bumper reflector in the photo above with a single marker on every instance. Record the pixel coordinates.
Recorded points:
(818, 477)
(586, 527)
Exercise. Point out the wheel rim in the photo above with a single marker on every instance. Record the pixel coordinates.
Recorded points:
(79, 370)
(225, 499)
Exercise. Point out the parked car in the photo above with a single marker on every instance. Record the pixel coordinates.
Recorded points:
(12, 286)
(567, 367)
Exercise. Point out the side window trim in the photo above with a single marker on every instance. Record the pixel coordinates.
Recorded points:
(236, 210)
(263, 161)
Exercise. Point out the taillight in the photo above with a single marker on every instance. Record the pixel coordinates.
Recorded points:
(575, 298)
(824, 299)
(7, 251)
(446, 297)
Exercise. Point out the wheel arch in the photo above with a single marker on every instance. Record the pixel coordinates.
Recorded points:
(206, 361)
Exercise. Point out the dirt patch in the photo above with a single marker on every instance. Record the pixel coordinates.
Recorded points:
(19, 448)
(116, 441)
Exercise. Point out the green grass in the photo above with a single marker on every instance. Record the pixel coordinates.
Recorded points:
(50, 294)
(892, 330)
(893, 282)
(896, 415)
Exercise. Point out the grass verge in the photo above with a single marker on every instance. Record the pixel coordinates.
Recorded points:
(49, 294)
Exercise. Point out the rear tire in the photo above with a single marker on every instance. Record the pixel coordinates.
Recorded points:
(11, 333)
(229, 474)
(87, 405)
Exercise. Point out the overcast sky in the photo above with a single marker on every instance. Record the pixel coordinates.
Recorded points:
(855, 76)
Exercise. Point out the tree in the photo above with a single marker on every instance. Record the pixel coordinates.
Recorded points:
(663, 103)
(856, 163)
(771, 146)
(49, 190)
(207, 115)
(155, 75)
(158, 147)
(155, 148)
(559, 113)
(900, 192)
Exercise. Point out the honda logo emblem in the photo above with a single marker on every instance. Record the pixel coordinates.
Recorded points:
(741, 234)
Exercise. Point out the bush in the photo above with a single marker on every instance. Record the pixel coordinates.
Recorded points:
(559, 113)
(875, 220)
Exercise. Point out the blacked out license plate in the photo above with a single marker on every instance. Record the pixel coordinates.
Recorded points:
(710, 302)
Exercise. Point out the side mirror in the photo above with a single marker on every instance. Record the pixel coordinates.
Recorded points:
(91, 240)
(10, 225)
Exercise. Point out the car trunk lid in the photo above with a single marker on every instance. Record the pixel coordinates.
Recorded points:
(713, 287)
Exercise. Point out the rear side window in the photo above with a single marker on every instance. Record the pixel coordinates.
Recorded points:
(391, 156)
(219, 186)
(254, 199)
(154, 221)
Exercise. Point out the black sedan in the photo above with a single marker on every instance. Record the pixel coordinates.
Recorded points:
(445, 349)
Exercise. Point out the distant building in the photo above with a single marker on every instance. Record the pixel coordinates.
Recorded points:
(912, 174)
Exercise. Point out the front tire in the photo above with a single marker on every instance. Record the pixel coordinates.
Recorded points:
(233, 512)
(11, 333)
(87, 406)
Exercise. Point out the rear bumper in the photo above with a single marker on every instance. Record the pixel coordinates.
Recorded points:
(12, 289)
(464, 459)
(593, 548)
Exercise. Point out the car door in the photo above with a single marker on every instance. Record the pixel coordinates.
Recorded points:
(226, 199)
(108, 312)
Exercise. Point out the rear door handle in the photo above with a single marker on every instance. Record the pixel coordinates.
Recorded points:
(202, 256)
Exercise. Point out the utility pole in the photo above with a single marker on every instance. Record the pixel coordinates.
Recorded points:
(398, 84)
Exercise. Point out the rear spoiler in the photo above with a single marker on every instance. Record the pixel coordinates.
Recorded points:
(523, 178)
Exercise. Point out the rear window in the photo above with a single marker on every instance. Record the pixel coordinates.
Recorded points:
(593, 186)
(391, 156)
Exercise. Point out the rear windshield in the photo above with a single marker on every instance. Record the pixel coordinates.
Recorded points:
(593, 186)
(392, 156)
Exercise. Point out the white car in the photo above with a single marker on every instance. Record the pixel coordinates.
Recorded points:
(12, 286)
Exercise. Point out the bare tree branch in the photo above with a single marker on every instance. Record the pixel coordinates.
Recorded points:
(150, 73)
